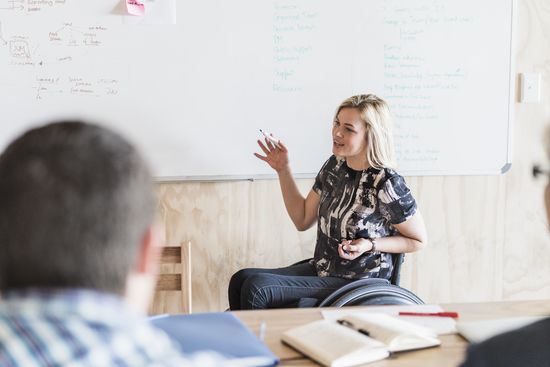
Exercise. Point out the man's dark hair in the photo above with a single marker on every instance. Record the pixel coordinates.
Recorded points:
(76, 200)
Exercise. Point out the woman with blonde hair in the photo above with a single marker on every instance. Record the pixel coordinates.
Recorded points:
(363, 209)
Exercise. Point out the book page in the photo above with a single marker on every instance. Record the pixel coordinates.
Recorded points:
(395, 333)
(328, 342)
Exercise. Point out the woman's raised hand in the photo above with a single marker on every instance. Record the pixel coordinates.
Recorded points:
(276, 155)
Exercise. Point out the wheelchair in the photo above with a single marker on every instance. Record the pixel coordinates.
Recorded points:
(372, 291)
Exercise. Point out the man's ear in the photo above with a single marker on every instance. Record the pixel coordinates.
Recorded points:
(140, 284)
(149, 252)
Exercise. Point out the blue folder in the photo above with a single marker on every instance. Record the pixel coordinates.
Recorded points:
(222, 332)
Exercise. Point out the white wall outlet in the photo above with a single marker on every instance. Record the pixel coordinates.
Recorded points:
(529, 87)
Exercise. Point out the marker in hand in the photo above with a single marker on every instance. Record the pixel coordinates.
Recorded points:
(270, 138)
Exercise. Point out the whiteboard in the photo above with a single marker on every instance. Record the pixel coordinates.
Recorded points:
(192, 82)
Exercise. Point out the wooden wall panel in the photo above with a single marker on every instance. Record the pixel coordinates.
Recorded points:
(464, 218)
(231, 225)
(488, 235)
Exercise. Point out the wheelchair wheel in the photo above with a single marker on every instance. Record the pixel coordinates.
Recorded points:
(378, 294)
(337, 294)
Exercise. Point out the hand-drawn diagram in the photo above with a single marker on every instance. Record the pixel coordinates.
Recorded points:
(73, 36)
(19, 48)
(60, 47)
(52, 86)
(12, 5)
(47, 87)
(53, 57)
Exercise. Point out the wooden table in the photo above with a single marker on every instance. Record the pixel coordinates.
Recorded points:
(450, 353)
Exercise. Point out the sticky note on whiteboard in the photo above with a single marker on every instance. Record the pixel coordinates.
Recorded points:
(155, 12)
(134, 7)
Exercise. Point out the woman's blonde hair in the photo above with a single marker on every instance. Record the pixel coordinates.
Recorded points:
(375, 113)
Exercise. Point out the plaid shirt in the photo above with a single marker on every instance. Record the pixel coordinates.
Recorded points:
(82, 328)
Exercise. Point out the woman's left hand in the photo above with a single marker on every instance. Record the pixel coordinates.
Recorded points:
(352, 249)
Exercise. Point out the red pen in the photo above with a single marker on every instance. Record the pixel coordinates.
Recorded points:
(454, 315)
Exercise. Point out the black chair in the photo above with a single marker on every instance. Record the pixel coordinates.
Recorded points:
(371, 291)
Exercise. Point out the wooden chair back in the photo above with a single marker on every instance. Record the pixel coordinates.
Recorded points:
(175, 276)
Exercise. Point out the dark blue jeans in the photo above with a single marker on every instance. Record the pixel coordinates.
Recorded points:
(277, 288)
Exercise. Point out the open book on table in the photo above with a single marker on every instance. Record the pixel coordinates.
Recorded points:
(358, 338)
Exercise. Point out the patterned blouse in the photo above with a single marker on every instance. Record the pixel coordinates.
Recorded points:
(358, 204)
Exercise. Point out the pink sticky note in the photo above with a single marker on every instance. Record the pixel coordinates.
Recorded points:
(135, 7)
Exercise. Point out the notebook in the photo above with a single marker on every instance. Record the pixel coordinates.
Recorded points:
(222, 332)
(358, 339)
(477, 331)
